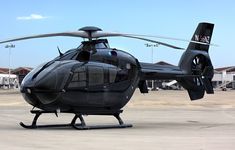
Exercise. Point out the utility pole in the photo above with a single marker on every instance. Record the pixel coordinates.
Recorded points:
(152, 46)
(9, 46)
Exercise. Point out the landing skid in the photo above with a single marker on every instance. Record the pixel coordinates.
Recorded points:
(79, 126)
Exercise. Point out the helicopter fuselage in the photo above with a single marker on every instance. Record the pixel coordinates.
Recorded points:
(92, 77)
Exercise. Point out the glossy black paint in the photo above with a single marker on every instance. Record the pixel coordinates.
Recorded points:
(104, 81)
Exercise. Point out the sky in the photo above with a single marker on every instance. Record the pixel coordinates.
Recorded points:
(177, 19)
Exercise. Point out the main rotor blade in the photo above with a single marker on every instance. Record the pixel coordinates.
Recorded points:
(108, 34)
(174, 39)
(100, 34)
(153, 41)
(81, 34)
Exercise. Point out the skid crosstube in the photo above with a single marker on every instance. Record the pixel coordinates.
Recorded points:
(79, 126)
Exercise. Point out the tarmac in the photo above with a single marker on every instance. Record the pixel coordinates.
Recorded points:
(164, 120)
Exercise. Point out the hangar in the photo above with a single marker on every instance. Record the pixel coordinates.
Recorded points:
(4, 70)
(224, 77)
(21, 72)
(16, 76)
(163, 84)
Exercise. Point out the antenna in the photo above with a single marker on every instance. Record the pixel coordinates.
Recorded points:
(61, 54)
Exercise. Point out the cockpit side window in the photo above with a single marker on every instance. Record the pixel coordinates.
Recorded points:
(79, 78)
(96, 75)
(121, 73)
(112, 75)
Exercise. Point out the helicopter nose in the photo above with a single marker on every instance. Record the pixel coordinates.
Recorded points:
(45, 89)
(47, 85)
(47, 81)
(44, 77)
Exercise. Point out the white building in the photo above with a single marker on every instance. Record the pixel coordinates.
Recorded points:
(224, 77)
(6, 80)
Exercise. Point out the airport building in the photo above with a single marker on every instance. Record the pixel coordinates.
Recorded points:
(8, 80)
(14, 79)
(224, 78)
(163, 84)
(4, 70)
(21, 72)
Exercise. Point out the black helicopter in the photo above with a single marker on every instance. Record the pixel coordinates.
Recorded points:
(95, 79)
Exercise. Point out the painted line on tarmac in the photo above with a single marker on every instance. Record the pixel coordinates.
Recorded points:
(11, 104)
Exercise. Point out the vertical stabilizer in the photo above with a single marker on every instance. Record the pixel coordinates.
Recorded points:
(202, 34)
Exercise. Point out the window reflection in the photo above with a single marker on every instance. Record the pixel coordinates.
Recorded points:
(112, 75)
(96, 75)
(90, 76)
(79, 78)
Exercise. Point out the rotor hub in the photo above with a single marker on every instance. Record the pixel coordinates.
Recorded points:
(90, 29)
